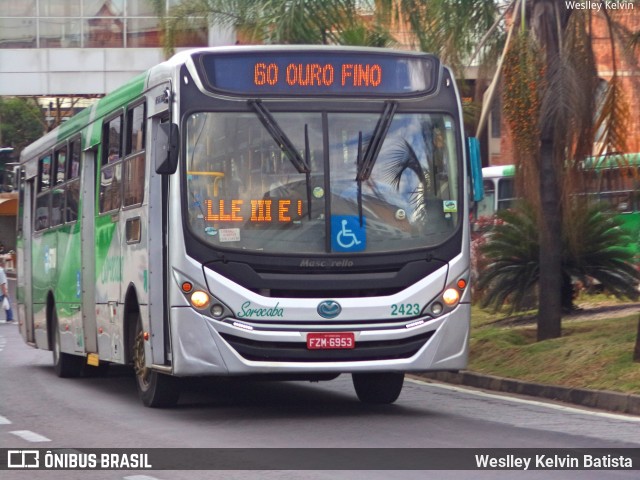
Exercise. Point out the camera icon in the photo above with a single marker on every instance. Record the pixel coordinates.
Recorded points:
(23, 459)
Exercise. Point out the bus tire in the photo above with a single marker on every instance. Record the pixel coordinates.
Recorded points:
(64, 364)
(155, 389)
(378, 388)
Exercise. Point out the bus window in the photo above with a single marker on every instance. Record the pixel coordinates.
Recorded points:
(60, 158)
(506, 195)
(44, 173)
(238, 175)
(111, 171)
(57, 206)
(135, 129)
(74, 164)
(135, 162)
(43, 199)
(486, 206)
(58, 191)
(73, 187)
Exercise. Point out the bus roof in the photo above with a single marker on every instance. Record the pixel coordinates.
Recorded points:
(499, 171)
(604, 162)
(612, 161)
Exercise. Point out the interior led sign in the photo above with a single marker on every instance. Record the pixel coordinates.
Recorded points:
(319, 73)
(261, 211)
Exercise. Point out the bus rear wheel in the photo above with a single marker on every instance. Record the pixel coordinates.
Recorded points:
(378, 388)
(64, 364)
(155, 389)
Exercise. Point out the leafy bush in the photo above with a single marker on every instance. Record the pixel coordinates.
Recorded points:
(593, 249)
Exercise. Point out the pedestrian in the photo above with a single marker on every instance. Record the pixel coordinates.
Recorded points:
(4, 293)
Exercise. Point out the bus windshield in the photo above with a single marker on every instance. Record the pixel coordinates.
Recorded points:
(247, 189)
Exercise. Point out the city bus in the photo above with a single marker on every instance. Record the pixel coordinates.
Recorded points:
(613, 179)
(277, 212)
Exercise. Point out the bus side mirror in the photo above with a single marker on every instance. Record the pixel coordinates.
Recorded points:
(475, 168)
(167, 144)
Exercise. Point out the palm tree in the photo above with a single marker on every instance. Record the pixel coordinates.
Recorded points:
(550, 83)
(512, 252)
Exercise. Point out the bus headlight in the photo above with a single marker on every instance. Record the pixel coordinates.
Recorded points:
(200, 299)
(448, 299)
(451, 296)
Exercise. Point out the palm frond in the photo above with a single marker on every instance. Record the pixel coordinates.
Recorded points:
(612, 119)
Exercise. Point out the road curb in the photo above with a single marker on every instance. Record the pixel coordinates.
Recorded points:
(600, 399)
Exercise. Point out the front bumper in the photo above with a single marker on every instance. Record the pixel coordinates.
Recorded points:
(204, 346)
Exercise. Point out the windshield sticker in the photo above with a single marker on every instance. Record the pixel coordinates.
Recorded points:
(347, 235)
(229, 234)
(449, 206)
(210, 231)
(318, 192)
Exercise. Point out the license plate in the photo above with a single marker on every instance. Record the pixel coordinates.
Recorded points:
(330, 341)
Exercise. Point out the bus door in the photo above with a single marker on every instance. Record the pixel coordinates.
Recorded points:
(157, 321)
(25, 244)
(133, 215)
(108, 240)
(88, 282)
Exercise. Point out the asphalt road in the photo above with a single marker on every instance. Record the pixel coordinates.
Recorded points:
(39, 410)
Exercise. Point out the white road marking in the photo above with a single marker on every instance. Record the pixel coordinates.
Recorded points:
(4, 420)
(139, 477)
(564, 408)
(30, 436)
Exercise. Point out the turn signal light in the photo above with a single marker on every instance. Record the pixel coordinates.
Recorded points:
(187, 287)
(451, 296)
(462, 284)
(199, 299)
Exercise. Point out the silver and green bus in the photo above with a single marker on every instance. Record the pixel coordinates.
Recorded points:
(282, 212)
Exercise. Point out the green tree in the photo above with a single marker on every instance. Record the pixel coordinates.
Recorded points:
(512, 251)
(21, 122)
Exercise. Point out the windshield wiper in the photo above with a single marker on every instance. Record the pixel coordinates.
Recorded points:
(365, 166)
(279, 136)
(366, 162)
(302, 165)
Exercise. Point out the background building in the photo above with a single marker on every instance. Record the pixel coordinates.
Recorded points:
(84, 47)
(67, 52)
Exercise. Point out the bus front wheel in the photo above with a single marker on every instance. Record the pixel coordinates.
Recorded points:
(378, 388)
(155, 389)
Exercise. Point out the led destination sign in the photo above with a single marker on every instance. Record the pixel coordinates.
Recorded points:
(319, 73)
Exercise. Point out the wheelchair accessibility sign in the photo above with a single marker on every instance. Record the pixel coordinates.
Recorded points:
(347, 235)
